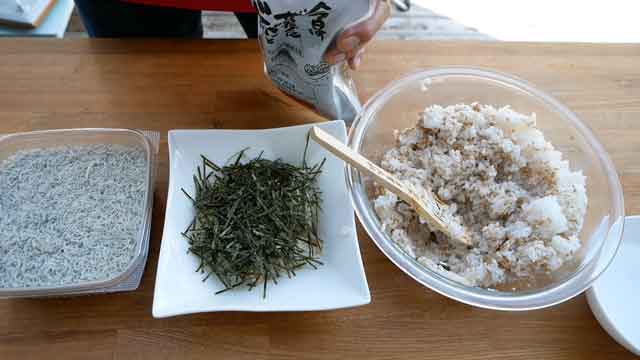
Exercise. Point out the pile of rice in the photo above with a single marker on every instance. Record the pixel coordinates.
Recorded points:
(521, 203)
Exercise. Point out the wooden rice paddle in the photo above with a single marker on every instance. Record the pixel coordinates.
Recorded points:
(428, 207)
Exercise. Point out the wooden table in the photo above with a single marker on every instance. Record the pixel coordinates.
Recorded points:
(165, 85)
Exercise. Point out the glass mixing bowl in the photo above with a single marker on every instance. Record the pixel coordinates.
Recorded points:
(397, 106)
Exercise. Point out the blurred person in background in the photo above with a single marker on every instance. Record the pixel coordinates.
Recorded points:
(183, 19)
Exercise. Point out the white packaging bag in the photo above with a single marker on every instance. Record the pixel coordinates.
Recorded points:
(294, 36)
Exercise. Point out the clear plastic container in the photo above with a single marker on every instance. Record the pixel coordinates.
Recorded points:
(129, 279)
(396, 107)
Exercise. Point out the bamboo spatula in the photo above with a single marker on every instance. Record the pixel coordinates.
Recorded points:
(429, 208)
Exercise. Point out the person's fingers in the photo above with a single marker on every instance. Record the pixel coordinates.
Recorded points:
(354, 62)
(334, 56)
(361, 33)
(352, 39)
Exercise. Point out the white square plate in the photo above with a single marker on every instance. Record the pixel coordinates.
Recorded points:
(339, 283)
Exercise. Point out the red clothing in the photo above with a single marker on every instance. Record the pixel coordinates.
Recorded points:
(220, 5)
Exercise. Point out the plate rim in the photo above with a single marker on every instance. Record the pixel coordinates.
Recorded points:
(364, 293)
(599, 310)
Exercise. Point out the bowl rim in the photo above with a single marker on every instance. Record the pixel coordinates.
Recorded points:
(550, 295)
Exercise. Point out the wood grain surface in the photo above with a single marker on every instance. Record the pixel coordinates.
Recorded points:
(166, 85)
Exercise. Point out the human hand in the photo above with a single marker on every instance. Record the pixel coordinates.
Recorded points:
(350, 45)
